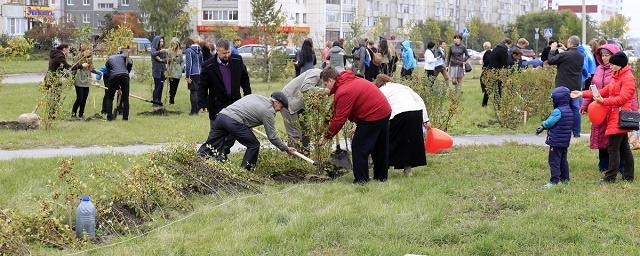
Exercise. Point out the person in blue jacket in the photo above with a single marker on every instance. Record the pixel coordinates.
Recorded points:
(558, 126)
(408, 60)
(588, 65)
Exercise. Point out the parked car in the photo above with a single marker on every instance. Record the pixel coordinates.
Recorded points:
(475, 57)
(249, 51)
(633, 56)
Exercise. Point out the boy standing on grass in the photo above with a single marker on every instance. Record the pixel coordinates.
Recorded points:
(558, 126)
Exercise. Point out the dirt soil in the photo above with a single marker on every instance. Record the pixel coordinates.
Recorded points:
(160, 112)
(14, 125)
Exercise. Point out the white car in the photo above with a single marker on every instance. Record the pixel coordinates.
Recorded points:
(633, 57)
(475, 57)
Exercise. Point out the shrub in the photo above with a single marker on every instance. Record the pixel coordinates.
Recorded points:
(519, 92)
(17, 47)
(142, 72)
(442, 102)
(52, 95)
(319, 109)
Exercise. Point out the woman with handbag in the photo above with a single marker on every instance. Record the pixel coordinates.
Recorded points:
(457, 58)
(617, 97)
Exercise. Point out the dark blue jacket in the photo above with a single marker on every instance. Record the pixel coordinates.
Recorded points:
(560, 122)
(158, 58)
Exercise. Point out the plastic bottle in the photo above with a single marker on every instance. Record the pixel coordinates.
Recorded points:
(86, 218)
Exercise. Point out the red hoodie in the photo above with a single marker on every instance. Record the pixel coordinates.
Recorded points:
(356, 99)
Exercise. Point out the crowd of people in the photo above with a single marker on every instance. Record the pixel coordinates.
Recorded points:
(390, 118)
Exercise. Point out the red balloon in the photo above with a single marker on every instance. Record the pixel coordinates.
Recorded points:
(597, 112)
(437, 140)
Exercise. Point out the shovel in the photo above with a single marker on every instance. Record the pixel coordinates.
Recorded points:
(133, 96)
(296, 153)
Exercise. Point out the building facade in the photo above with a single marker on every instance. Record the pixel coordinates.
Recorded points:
(92, 12)
(18, 16)
(598, 10)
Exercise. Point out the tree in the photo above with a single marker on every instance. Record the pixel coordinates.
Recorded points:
(563, 34)
(615, 26)
(118, 37)
(167, 17)
(46, 33)
(481, 32)
(526, 24)
(228, 33)
(267, 20)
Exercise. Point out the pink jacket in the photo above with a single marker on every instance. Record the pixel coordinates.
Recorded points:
(602, 77)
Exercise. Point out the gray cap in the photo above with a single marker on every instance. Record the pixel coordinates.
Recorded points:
(279, 96)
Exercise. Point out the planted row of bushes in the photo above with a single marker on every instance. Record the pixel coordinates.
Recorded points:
(128, 199)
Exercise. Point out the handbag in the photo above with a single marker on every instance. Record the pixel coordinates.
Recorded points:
(467, 67)
(629, 120)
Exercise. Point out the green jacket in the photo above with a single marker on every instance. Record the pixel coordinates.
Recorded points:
(175, 65)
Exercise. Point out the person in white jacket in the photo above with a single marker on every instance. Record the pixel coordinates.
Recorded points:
(430, 61)
(408, 117)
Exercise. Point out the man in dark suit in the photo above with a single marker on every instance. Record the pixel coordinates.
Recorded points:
(221, 78)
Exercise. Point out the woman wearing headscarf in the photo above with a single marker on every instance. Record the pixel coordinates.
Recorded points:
(408, 117)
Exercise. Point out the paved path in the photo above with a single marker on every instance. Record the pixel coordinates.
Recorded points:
(26, 78)
(138, 149)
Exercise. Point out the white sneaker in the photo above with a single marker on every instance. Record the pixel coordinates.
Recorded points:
(407, 172)
(549, 185)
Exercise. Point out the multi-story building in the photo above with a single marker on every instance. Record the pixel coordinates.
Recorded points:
(18, 16)
(395, 15)
(598, 10)
(339, 16)
(92, 12)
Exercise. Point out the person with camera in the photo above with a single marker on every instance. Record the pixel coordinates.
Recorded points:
(616, 97)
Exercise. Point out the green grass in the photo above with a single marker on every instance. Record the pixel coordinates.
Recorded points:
(38, 65)
(471, 201)
(19, 99)
(138, 130)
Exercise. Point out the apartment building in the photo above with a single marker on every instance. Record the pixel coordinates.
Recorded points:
(92, 12)
(598, 10)
(18, 16)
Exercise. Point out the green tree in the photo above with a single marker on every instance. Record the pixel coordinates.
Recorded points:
(563, 34)
(118, 37)
(267, 17)
(481, 32)
(514, 33)
(228, 33)
(167, 17)
(82, 33)
(527, 23)
(615, 26)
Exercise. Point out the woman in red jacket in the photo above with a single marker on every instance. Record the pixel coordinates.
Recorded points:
(617, 96)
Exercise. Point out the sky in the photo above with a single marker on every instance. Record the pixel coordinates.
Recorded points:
(630, 9)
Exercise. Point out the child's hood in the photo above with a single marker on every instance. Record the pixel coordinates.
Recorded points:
(560, 96)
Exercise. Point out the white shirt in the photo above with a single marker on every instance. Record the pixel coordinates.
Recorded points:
(429, 60)
(403, 99)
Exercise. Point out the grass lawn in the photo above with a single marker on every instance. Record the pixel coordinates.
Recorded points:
(19, 99)
(24, 66)
(471, 201)
(138, 130)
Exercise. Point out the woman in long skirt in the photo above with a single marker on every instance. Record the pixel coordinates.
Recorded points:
(408, 117)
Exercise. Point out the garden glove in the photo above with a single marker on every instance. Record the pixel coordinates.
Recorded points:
(539, 130)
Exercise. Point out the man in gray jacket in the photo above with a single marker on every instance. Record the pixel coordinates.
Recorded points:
(294, 90)
(235, 122)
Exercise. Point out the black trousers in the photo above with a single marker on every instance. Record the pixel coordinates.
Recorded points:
(158, 86)
(406, 73)
(619, 149)
(173, 88)
(193, 96)
(115, 83)
(82, 93)
(371, 138)
(483, 87)
(558, 164)
(224, 132)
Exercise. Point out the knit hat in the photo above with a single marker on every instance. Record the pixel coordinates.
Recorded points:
(619, 59)
(279, 96)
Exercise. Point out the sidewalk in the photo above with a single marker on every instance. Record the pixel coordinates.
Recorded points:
(458, 141)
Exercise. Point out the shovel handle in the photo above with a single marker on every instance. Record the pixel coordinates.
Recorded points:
(296, 153)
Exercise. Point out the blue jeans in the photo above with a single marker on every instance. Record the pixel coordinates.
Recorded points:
(575, 107)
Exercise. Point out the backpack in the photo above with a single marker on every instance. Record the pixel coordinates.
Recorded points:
(377, 59)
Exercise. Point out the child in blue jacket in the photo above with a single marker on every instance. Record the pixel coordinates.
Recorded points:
(558, 127)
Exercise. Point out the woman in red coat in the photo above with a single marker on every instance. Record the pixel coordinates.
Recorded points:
(617, 96)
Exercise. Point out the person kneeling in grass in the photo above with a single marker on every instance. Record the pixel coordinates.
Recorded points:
(235, 122)
(558, 126)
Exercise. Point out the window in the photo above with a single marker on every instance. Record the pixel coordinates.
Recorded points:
(86, 18)
(125, 3)
(333, 1)
(332, 17)
(371, 21)
(297, 18)
(105, 6)
(220, 15)
(69, 2)
(69, 17)
(15, 26)
(304, 18)
(347, 17)
(86, 2)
